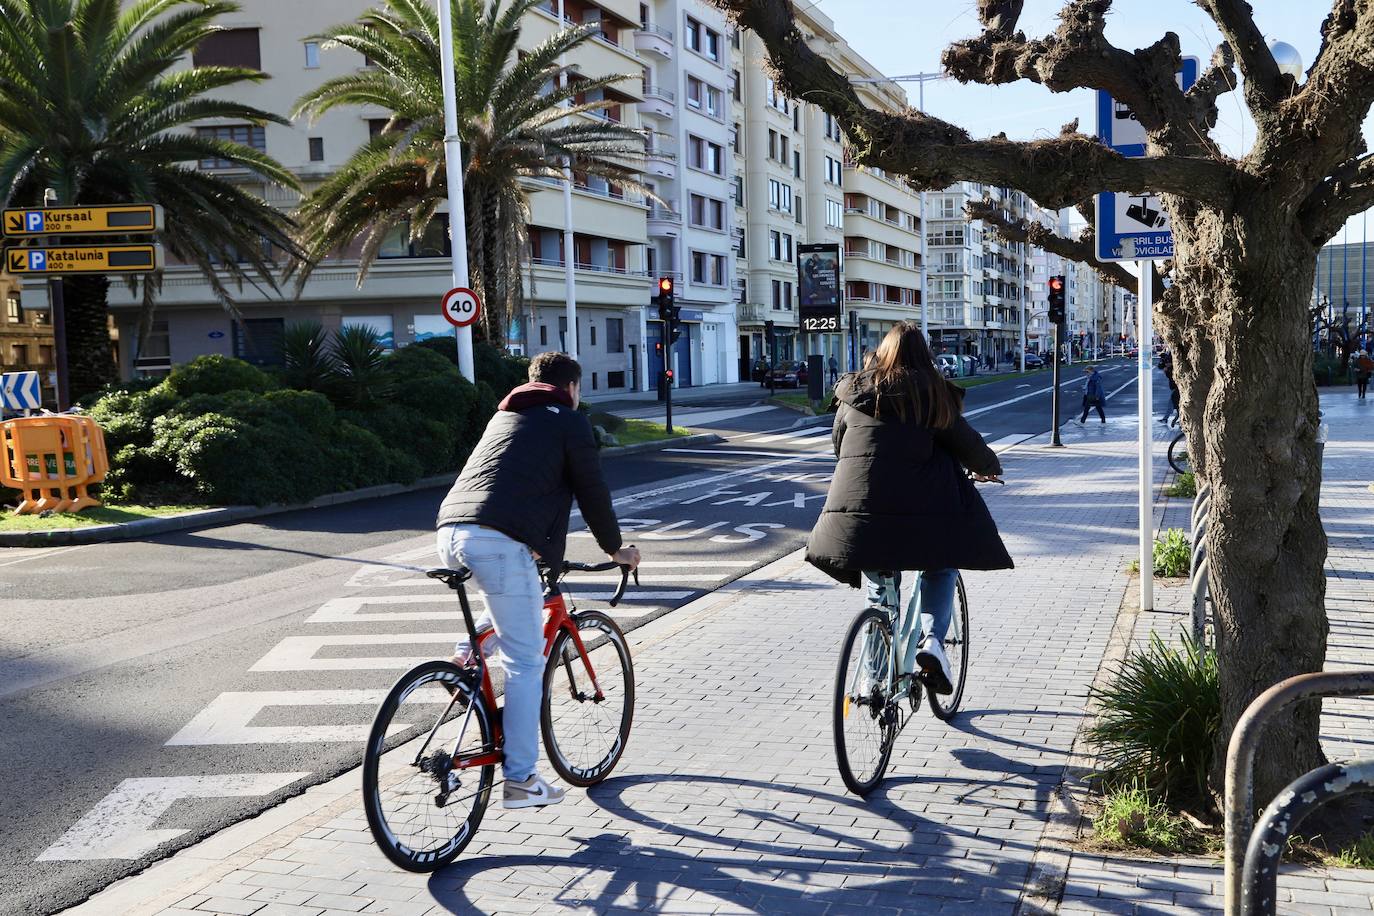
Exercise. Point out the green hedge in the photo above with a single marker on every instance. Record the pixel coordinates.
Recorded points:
(222, 431)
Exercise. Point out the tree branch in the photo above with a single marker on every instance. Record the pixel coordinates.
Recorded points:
(1217, 80)
(1326, 118)
(933, 153)
(1081, 249)
(1348, 191)
(1264, 84)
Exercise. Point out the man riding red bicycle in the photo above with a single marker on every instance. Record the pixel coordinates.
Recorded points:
(509, 509)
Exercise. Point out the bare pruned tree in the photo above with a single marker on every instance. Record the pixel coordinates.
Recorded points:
(1247, 231)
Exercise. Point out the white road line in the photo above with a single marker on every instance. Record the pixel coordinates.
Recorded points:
(734, 451)
(1029, 394)
(41, 554)
(1006, 442)
(297, 653)
(799, 434)
(120, 826)
(226, 719)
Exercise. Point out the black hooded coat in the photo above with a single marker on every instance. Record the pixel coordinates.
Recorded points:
(900, 499)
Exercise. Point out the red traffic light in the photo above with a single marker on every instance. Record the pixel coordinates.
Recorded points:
(669, 373)
(665, 284)
(1056, 284)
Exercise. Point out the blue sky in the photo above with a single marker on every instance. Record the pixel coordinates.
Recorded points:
(908, 36)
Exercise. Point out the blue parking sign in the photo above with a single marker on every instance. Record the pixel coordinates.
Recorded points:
(33, 220)
(38, 261)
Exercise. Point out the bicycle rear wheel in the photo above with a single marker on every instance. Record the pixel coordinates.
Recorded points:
(421, 809)
(585, 732)
(956, 650)
(864, 715)
(1178, 455)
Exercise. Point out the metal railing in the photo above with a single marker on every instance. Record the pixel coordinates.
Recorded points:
(1251, 878)
(658, 30)
(1198, 567)
(658, 92)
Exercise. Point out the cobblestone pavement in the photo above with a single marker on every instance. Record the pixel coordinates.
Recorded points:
(728, 800)
(1119, 884)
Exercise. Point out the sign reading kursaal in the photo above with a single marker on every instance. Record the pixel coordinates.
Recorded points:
(112, 220)
(818, 286)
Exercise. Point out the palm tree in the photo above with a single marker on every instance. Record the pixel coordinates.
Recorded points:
(94, 104)
(511, 123)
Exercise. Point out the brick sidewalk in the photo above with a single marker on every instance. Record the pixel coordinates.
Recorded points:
(1121, 884)
(728, 800)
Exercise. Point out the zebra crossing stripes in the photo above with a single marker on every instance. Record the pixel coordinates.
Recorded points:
(815, 432)
(227, 718)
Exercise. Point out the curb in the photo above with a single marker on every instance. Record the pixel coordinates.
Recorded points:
(123, 531)
(659, 445)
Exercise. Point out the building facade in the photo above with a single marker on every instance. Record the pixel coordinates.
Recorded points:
(978, 283)
(26, 341)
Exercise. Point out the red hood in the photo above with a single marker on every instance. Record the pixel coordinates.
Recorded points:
(535, 394)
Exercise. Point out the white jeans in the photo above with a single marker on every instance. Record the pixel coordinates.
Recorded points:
(503, 570)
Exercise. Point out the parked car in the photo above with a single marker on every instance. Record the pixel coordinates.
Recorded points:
(948, 364)
(788, 374)
(1033, 361)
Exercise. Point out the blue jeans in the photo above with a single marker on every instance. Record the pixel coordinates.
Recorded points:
(503, 570)
(928, 613)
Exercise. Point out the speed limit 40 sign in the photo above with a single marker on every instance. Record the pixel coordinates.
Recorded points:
(461, 307)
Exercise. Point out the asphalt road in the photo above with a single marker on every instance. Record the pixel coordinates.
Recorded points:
(154, 692)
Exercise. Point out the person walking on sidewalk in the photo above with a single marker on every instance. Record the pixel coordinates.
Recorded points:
(508, 508)
(899, 499)
(1093, 395)
(834, 370)
(1166, 365)
(1364, 368)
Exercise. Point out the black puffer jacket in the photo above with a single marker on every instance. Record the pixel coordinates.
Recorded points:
(536, 454)
(899, 499)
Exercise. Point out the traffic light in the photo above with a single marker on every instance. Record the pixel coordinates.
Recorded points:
(768, 330)
(667, 308)
(1057, 299)
(658, 347)
(676, 330)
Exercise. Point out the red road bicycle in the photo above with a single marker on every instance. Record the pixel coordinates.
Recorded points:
(430, 761)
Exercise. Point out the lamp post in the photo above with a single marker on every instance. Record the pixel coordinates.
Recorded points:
(569, 242)
(453, 169)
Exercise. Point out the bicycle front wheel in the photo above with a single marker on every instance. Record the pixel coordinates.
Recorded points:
(1178, 455)
(586, 725)
(865, 716)
(956, 651)
(423, 809)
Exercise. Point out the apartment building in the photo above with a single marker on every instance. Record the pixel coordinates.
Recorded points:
(977, 281)
(400, 297)
(795, 185)
(26, 342)
(688, 89)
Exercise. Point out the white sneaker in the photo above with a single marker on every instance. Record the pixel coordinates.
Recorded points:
(532, 793)
(934, 666)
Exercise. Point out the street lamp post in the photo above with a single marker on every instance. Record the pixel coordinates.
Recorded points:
(569, 241)
(453, 168)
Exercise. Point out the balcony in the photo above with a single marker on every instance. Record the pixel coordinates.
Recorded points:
(663, 222)
(581, 267)
(658, 101)
(654, 39)
(660, 161)
(751, 312)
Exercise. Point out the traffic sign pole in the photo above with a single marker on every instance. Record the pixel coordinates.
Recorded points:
(1054, 392)
(1146, 409)
(57, 305)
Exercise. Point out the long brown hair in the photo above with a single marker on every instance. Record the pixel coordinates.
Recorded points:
(903, 369)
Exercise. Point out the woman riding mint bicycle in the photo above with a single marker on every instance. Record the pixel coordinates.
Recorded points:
(900, 500)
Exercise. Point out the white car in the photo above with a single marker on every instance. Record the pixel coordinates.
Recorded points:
(948, 364)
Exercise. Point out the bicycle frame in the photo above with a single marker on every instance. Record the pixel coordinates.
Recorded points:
(889, 605)
(557, 617)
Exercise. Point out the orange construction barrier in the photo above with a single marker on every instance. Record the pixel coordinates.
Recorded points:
(52, 460)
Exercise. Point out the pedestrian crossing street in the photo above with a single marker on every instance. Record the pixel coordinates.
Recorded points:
(389, 618)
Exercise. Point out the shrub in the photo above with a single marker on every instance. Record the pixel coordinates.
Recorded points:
(1130, 817)
(492, 365)
(215, 374)
(363, 379)
(1158, 721)
(1173, 554)
(308, 362)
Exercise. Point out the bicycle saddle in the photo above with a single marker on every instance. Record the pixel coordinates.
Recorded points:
(451, 577)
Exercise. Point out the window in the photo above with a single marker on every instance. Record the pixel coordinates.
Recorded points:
(779, 195)
(772, 144)
(787, 296)
(229, 48)
(694, 92)
(705, 155)
(377, 126)
(779, 245)
(317, 149)
(591, 328)
(13, 313)
(777, 295)
(796, 163)
(834, 214)
(734, 39)
(739, 190)
(312, 55)
(615, 339)
(435, 242)
(737, 82)
(249, 135)
(706, 212)
(543, 335)
(703, 40)
(258, 340)
(947, 208)
(834, 170)
(776, 99)
(832, 128)
(783, 146)
(708, 269)
(703, 96)
(45, 355)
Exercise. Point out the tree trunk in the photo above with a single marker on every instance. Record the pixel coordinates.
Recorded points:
(90, 358)
(1249, 276)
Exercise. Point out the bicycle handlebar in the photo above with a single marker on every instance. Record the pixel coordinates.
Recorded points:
(625, 573)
